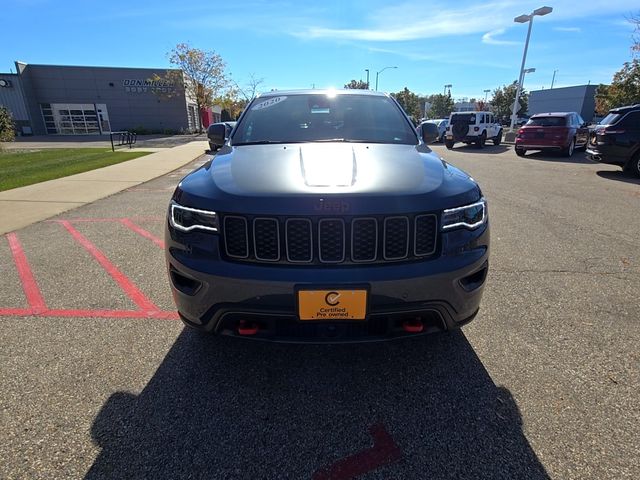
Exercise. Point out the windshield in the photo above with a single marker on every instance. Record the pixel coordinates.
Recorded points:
(468, 118)
(548, 122)
(610, 119)
(320, 117)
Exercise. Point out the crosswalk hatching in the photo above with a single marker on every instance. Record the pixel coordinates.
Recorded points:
(34, 299)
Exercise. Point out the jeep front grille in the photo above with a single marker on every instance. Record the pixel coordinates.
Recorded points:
(349, 240)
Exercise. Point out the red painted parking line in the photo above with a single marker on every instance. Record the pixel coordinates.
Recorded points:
(37, 304)
(141, 231)
(129, 288)
(15, 312)
(383, 452)
(159, 315)
(29, 285)
(149, 218)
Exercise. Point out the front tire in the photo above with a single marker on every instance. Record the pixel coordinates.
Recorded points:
(497, 140)
(449, 144)
(520, 152)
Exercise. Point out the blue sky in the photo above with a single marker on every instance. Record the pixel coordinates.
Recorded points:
(473, 45)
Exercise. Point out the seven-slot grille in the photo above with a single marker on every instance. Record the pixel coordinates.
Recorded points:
(349, 240)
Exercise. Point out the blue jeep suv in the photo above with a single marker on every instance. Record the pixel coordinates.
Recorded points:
(325, 218)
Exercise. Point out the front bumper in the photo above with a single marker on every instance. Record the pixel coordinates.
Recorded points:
(216, 295)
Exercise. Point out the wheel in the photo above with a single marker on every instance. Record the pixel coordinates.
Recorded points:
(498, 138)
(633, 166)
(482, 140)
(449, 144)
(520, 152)
(567, 152)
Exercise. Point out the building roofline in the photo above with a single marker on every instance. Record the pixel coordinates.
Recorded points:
(94, 66)
(564, 88)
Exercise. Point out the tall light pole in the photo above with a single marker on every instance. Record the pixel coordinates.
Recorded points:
(448, 85)
(524, 19)
(486, 92)
(378, 73)
(553, 79)
(367, 70)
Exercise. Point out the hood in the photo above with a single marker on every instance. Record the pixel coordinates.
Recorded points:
(319, 178)
(258, 170)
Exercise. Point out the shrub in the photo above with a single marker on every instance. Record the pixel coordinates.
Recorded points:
(7, 128)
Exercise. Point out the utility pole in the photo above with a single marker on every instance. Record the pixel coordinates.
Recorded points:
(554, 78)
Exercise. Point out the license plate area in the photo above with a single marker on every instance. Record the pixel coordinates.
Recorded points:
(332, 305)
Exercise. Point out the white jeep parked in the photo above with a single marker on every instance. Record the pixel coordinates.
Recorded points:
(473, 127)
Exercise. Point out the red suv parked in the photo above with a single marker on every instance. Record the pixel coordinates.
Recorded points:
(559, 131)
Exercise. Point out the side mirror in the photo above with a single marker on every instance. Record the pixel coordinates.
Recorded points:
(217, 134)
(429, 132)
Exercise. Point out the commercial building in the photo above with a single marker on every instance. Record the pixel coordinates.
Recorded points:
(76, 100)
(580, 99)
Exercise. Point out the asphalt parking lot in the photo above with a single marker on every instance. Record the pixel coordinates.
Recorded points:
(99, 379)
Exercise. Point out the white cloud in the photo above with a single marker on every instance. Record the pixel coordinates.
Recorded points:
(567, 29)
(489, 38)
(450, 58)
(401, 22)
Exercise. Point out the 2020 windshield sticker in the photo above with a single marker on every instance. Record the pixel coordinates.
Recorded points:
(270, 102)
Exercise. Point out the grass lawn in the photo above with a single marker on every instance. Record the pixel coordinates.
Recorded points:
(18, 168)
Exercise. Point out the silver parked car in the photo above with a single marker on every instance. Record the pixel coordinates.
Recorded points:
(441, 123)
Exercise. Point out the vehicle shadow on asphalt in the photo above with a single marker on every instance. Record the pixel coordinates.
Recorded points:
(220, 408)
(618, 175)
(488, 149)
(577, 157)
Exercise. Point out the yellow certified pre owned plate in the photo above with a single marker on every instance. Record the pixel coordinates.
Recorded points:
(332, 305)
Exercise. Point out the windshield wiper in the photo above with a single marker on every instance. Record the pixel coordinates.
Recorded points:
(262, 142)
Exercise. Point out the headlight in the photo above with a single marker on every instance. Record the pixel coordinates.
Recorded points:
(469, 216)
(187, 219)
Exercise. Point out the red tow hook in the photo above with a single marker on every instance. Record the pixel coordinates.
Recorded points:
(414, 325)
(247, 328)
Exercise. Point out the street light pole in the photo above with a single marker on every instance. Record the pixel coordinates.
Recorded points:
(554, 78)
(378, 73)
(367, 70)
(523, 19)
(486, 92)
(448, 85)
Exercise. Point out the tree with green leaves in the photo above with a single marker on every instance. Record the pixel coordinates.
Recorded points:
(624, 88)
(357, 85)
(410, 102)
(441, 106)
(7, 128)
(201, 73)
(625, 85)
(503, 98)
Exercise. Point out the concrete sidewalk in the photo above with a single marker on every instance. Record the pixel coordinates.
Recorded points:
(26, 205)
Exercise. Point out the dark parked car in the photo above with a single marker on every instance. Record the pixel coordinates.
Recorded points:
(616, 139)
(325, 218)
(215, 145)
(559, 131)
